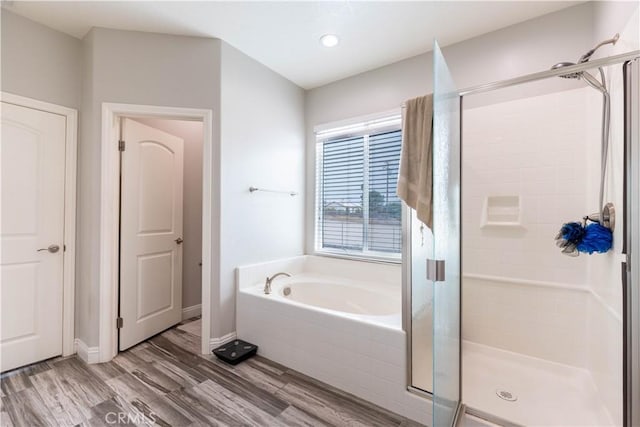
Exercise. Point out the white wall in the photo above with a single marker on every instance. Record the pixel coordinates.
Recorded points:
(510, 52)
(262, 146)
(40, 63)
(191, 133)
(136, 68)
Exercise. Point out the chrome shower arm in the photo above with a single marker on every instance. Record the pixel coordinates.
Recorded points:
(586, 56)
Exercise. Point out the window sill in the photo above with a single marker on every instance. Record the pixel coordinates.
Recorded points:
(362, 258)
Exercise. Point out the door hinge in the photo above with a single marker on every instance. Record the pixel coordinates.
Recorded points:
(119, 323)
(435, 270)
(121, 145)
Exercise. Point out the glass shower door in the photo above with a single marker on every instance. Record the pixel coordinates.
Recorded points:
(446, 241)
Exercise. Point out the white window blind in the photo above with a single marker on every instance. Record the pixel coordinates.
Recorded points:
(357, 210)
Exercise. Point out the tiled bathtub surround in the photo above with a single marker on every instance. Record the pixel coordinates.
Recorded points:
(365, 356)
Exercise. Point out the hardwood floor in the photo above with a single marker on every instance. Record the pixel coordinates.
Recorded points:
(165, 381)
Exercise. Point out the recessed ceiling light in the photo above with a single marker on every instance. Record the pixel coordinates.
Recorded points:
(329, 40)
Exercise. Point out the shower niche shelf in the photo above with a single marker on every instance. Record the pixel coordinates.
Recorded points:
(501, 211)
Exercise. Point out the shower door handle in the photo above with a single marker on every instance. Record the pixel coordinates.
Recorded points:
(435, 270)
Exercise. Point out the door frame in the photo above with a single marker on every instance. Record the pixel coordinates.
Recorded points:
(110, 213)
(69, 244)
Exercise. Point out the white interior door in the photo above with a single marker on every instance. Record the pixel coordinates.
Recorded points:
(32, 153)
(150, 232)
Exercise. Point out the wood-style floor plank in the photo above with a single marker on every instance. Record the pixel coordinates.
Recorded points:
(60, 399)
(198, 406)
(333, 406)
(163, 412)
(166, 382)
(129, 388)
(260, 398)
(236, 407)
(26, 409)
(109, 413)
(19, 379)
(293, 416)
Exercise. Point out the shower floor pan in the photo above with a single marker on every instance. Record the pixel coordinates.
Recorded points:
(545, 393)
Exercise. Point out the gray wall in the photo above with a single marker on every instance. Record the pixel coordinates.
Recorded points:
(136, 68)
(263, 146)
(520, 49)
(40, 63)
(191, 133)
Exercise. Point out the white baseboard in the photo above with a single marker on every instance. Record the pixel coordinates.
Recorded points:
(87, 354)
(193, 311)
(217, 342)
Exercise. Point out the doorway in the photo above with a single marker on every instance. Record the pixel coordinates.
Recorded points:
(154, 302)
(160, 227)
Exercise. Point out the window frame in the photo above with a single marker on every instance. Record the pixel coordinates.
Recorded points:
(353, 128)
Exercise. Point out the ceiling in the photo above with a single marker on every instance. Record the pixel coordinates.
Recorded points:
(284, 36)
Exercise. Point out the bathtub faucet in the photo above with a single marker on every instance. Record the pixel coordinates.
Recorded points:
(267, 283)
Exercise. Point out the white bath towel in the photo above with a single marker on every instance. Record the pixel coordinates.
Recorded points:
(415, 178)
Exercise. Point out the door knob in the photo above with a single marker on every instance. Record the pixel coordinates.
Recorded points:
(52, 248)
(179, 240)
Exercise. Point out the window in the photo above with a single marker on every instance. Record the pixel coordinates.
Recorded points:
(357, 209)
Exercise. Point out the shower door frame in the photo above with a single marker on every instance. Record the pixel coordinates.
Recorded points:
(631, 293)
(631, 357)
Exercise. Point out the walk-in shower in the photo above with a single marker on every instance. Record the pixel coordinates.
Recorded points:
(542, 334)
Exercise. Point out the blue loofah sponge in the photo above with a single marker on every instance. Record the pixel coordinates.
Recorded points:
(572, 232)
(596, 238)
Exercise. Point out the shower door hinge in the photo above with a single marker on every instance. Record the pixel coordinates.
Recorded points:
(119, 323)
(435, 270)
(121, 145)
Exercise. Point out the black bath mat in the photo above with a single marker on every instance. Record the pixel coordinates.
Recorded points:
(235, 351)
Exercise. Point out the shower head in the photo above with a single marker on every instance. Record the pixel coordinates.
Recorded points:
(587, 56)
(588, 78)
(566, 76)
(584, 75)
(584, 58)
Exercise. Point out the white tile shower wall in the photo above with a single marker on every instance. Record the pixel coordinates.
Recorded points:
(546, 322)
(604, 279)
(562, 171)
(605, 355)
(533, 148)
(605, 309)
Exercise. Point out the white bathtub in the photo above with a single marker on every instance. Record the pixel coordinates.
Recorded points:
(378, 303)
(343, 328)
